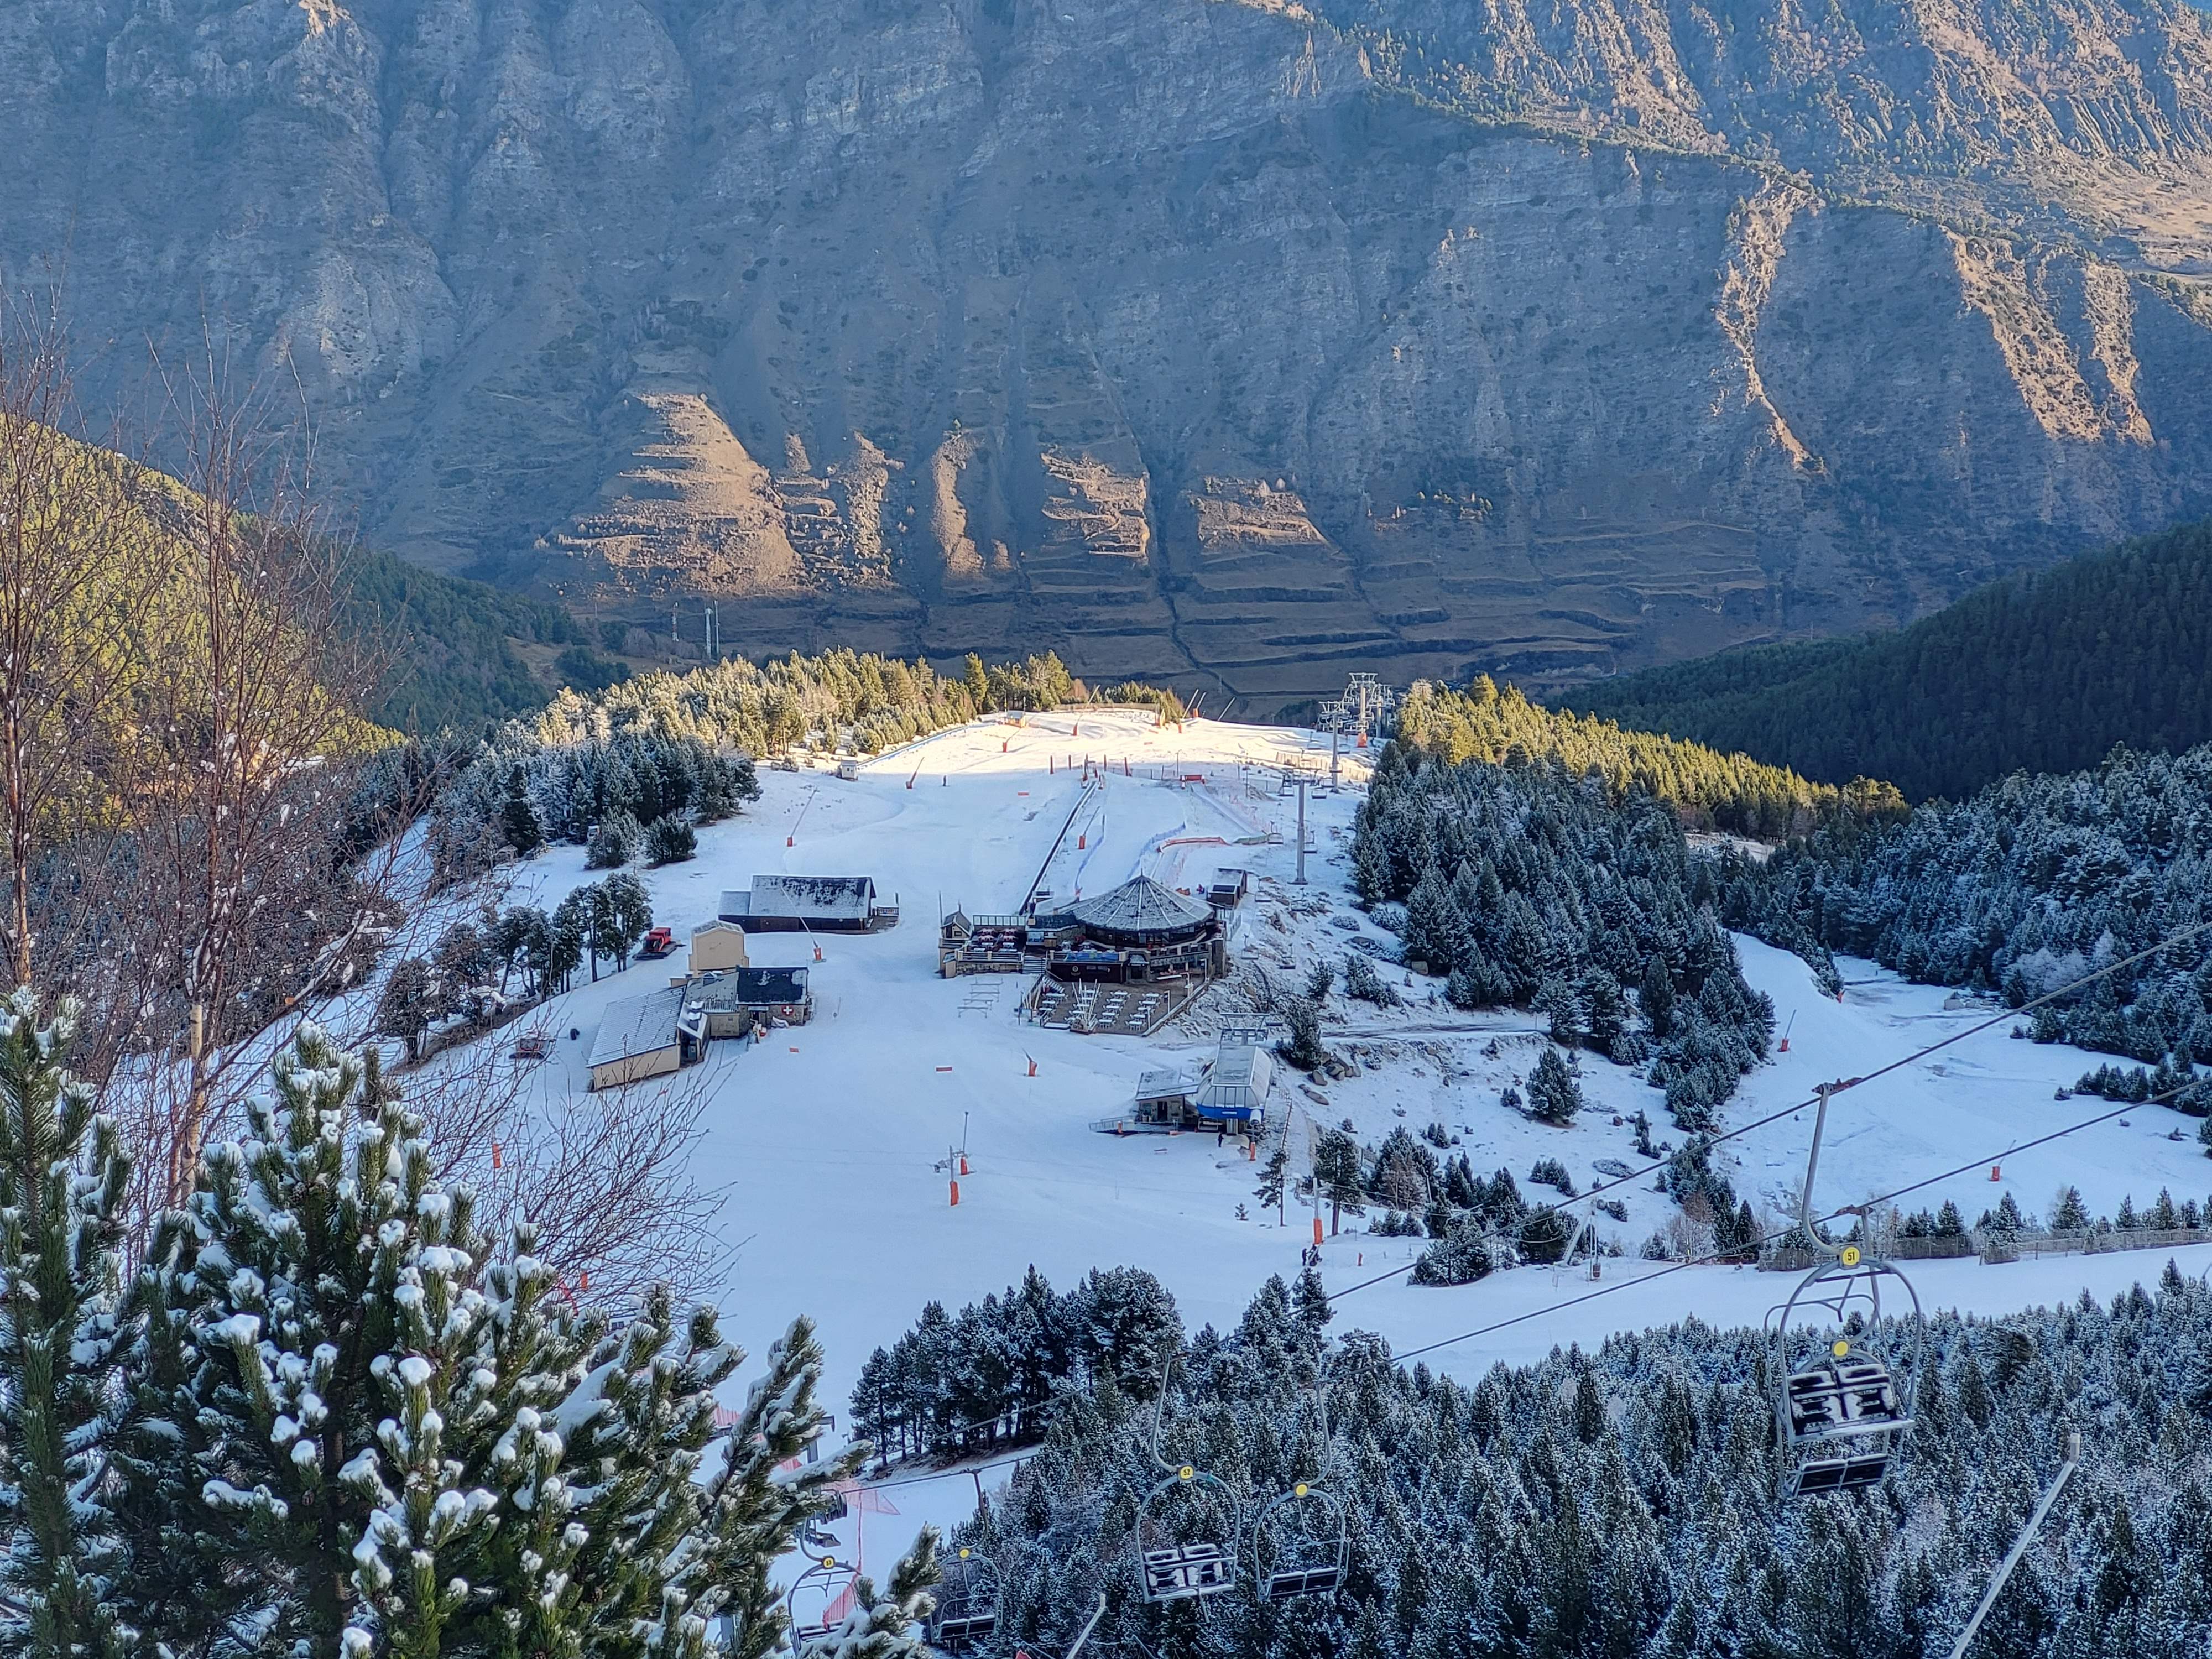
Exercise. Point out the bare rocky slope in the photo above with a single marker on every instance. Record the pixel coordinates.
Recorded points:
(1233, 343)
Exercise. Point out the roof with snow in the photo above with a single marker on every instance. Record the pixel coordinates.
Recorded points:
(807, 898)
(1141, 908)
(637, 1025)
(1236, 1083)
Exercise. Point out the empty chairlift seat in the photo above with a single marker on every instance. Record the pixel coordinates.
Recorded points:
(1174, 1572)
(1844, 1413)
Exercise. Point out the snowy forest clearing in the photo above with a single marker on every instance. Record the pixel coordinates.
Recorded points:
(829, 1141)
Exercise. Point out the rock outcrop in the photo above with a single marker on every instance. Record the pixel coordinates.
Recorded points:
(1180, 336)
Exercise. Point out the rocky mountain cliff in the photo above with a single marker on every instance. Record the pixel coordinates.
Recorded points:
(1230, 342)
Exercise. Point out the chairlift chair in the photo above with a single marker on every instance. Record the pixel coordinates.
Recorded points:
(1176, 1568)
(1301, 1544)
(967, 1602)
(826, 1581)
(1189, 1527)
(1843, 1418)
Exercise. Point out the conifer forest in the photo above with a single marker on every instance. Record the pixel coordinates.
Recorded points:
(1622, 1502)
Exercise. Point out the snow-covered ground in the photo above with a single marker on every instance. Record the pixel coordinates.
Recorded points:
(830, 1140)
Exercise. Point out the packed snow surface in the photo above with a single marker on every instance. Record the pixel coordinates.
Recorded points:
(831, 1141)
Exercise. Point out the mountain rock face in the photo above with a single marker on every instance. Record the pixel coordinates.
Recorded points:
(1234, 343)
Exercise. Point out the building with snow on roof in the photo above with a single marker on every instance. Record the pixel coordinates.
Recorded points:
(645, 1037)
(808, 904)
(1229, 1093)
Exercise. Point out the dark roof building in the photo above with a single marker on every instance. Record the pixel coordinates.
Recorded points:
(736, 1000)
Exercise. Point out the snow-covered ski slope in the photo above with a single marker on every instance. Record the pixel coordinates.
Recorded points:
(830, 1140)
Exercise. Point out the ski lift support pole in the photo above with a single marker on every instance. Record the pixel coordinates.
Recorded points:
(1089, 1625)
(2020, 1546)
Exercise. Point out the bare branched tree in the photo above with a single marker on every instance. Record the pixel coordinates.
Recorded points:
(206, 841)
(266, 872)
(605, 1178)
(78, 580)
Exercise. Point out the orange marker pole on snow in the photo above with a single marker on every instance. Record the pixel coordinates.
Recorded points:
(1316, 1232)
(956, 1196)
(1032, 1065)
(963, 1163)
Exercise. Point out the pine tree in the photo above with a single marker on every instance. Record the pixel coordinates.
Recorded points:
(1302, 1046)
(64, 1333)
(1273, 1181)
(1310, 1302)
(670, 840)
(1337, 1167)
(614, 844)
(518, 816)
(627, 916)
(363, 1433)
(1655, 998)
(1555, 1089)
(413, 997)
(2069, 1214)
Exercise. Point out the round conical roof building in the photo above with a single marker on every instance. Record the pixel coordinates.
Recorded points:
(1140, 911)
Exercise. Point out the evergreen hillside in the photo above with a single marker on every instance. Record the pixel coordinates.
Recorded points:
(458, 665)
(2020, 890)
(1532, 889)
(1707, 789)
(454, 648)
(2040, 672)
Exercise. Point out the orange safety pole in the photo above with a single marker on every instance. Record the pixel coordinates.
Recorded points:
(495, 1155)
(963, 1163)
(1316, 1230)
(956, 1196)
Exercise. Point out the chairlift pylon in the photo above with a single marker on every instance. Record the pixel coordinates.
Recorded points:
(968, 1597)
(1843, 1417)
(1189, 1527)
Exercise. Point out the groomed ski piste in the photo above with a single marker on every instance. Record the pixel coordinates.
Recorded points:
(829, 1142)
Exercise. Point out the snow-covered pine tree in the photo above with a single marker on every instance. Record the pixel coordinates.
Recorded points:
(888, 1626)
(751, 1507)
(63, 1333)
(362, 1434)
(312, 1379)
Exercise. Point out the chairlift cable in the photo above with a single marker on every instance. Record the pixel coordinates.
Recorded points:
(1831, 1090)
(1768, 1238)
